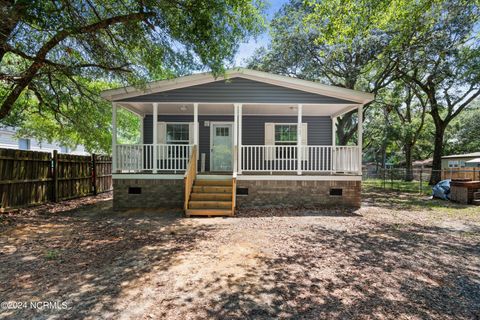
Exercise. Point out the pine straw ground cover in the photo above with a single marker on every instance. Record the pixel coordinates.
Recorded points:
(399, 257)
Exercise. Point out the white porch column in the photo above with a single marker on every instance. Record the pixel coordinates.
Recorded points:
(334, 145)
(299, 140)
(360, 138)
(334, 131)
(195, 124)
(141, 129)
(239, 158)
(114, 137)
(155, 137)
(195, 129)
(235, 137)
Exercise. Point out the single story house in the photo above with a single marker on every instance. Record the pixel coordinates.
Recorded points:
(10, 140)
(247, 139)
(422, 164)
(474, 163)
(460, 160)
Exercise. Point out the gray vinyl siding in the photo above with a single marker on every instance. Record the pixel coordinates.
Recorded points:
(319, 128)
(238, 90)
(253, 130)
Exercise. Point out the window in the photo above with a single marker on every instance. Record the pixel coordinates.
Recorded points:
(222, 131)
(177, 133)
(453, 164)
(24, 144)
(285, 134)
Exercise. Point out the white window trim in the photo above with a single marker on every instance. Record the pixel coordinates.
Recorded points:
(175, 141)
(284, 124)
(453, 163)
(305, 154)
(212, 123)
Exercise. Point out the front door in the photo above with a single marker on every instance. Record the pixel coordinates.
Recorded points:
(221, 145)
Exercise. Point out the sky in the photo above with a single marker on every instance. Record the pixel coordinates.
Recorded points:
(246, 49)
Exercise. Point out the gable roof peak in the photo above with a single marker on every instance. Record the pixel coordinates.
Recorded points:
(207, 77)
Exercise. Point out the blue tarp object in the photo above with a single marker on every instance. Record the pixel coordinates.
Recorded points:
(442, 190)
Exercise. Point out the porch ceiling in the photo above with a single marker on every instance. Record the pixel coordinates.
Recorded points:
(247, 109)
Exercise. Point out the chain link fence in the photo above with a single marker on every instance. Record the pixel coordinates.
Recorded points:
(414, 181)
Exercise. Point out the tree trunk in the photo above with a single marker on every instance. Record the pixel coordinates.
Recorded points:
(408, 162)
(13, 11)
(345, 130)
(437, 154)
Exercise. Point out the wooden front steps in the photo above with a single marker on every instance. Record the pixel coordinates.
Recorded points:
(210, 198)
(208, 212)
(205, 196)
(211, 189)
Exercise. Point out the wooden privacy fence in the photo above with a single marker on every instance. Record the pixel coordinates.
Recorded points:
(31, 177)
(461, 173)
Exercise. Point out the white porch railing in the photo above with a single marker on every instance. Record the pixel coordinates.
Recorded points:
(346, 159)
(140, 157)
(262, 158)
(254, 158)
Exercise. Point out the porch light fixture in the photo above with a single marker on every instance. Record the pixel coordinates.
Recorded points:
(183, 108)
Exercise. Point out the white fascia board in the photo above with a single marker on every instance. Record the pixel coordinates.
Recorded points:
(202, 78)
(146, 176)
(300, 178)
(158, 86)
(307, 86)
(345, 110)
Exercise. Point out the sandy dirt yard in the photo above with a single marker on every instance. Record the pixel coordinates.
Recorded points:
(399, 257)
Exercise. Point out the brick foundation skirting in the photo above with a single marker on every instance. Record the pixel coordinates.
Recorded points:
(154, 193)
(271, 193)
(261, 193)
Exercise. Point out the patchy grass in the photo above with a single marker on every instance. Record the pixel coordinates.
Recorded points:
(400, 256)
(404, 201)
(52, 255)
(397, 185)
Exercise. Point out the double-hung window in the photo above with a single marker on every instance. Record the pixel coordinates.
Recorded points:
(285, 134)
(178, 133)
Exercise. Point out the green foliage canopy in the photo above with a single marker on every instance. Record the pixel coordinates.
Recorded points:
(57, 55)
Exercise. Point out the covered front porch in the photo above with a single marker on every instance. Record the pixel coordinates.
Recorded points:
(248, 138)
(237, 139)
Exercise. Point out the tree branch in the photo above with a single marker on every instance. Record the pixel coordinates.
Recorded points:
(40, 57)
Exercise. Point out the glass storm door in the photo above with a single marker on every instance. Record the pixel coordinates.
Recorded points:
(222, 145)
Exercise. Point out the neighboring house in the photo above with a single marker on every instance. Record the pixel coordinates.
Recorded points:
(371, 167)
(473, 163)
(10, 141)
(251, 139)
(460, 160)
(423, 164)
